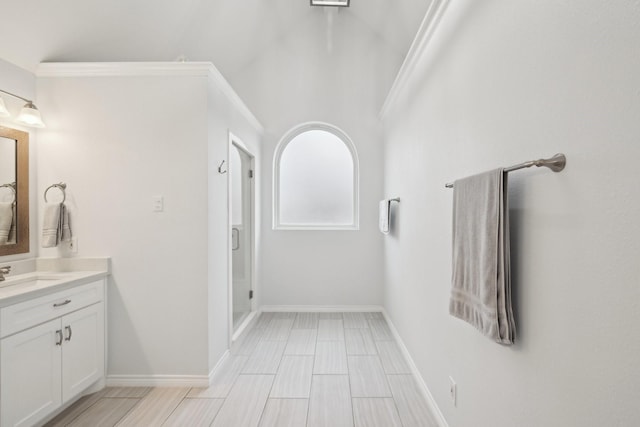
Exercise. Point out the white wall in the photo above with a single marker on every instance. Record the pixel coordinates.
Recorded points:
(117, 141)
(22, 83)
(501, 83)
(297, 81)
(222, 119)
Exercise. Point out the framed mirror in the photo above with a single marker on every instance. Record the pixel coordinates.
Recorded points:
(14, 191)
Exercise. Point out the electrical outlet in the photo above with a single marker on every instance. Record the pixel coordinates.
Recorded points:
(453, 391)
(158, 203)
(73, 245)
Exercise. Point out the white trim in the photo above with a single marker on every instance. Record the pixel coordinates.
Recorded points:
(244, 325)
(143, 69)
(320, 308)
(108, 69)
(215, 369)
(158, 381)
(202, 381)
(420, 42)
(316, 227)
(433, 406)
(235, 99)
(275, 191)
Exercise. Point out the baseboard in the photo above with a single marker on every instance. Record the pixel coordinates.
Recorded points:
(319, 308)
(202, 381)
(244, 325)
(215, 369)
(158, 381)
(433, 406)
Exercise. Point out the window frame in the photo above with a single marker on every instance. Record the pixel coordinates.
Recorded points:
(289, 136)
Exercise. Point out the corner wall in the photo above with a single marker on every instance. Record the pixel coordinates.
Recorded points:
(118, 135)
(501, 83)
(117, 142)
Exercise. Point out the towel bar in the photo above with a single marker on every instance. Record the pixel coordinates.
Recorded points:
(555, 163)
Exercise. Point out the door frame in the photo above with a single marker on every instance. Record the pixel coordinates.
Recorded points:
(237, 142)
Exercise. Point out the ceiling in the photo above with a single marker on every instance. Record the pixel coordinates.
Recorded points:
(229, 33)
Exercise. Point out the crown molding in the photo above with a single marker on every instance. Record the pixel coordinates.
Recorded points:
(235, 99)
(145, 69)
(108, 69)
(420, 43)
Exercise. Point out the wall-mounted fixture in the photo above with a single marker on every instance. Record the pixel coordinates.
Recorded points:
(29, 115)
(337, 3)
(220, 171)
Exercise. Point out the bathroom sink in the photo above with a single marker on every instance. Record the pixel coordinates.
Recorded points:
(30, 279)
(35, 279)
(27, 283)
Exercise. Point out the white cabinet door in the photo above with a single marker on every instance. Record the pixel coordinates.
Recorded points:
(30, 363)
(82, 349)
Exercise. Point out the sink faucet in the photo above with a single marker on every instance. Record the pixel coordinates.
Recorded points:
(4, 271)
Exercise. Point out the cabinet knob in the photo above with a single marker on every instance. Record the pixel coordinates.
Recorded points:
(69, 332)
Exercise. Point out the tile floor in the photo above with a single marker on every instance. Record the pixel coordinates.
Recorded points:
(290, 369)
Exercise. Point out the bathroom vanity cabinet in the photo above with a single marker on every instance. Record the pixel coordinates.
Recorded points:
(52, 348)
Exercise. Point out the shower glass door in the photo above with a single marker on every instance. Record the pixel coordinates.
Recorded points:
(241, 232)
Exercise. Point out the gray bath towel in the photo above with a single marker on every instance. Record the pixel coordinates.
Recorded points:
(65, 224)
(481, 280)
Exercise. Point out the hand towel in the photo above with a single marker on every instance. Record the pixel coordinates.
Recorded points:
(481, 282)
(385, 207)
(51, 226)
(6, 220)
(65, 224)
(12, 233)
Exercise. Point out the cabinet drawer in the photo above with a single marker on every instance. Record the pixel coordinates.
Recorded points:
(18, 317)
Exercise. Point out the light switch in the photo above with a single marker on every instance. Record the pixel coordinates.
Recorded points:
(158, 203)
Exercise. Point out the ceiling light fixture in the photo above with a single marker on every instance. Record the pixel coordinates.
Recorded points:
(337, 3)
(29, 115)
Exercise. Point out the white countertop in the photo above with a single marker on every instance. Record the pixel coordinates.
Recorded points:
(57, 276)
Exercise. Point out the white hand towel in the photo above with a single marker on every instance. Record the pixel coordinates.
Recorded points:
(6, 220)
(385, 206)
(51, 226)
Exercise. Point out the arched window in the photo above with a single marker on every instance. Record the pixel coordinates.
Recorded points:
(315, 180)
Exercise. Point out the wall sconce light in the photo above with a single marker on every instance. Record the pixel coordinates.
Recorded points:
(29, 115)
(337, 3)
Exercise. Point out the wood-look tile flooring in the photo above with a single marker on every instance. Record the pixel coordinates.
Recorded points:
(290, 369)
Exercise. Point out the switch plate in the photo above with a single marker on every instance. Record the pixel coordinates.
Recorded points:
(453, 391)
(158, 203)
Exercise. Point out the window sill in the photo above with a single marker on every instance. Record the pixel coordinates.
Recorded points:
(283, 227)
